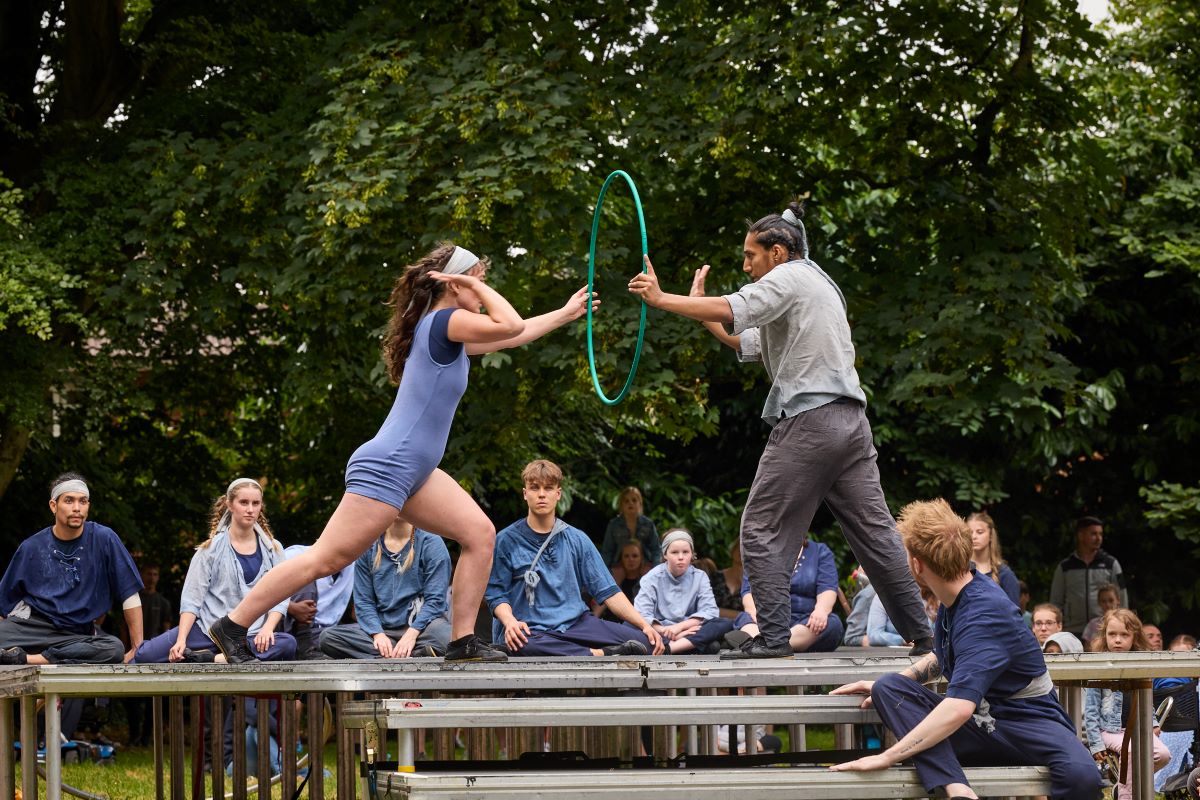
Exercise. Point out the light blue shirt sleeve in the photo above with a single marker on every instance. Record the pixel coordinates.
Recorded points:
(706, 605)
(878, 626)
(500, 578)
(1091, 719)
(646, 602)
(195, 585)
(594, 576)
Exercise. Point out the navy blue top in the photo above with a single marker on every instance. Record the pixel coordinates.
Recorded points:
(1008, 582)
(441, 349)
(987, 653)
(70, 583)
(570, 568)
(251, 563)
(816, 573)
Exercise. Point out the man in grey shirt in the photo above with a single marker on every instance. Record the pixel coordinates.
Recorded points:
(792, 317)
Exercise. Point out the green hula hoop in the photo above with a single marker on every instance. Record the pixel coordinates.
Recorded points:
(637, 352)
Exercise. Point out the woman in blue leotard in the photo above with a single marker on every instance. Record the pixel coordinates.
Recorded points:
(435, 326)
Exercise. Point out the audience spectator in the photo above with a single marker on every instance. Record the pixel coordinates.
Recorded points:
(1023, 598)
(542, 569)
(1104, 710)
(677, 599)
(157, 613)
(316, 607)
(985, 552)
(1077, 576)
(1153, 636)
(860, 610)
(1062, 642)
(630, 524)
(1108, 597)
(1183, 641)
(401, 589)
(64, 578)
(727, 584)
(813, 591)
(880, 630)
(1047, 620)
(240, 549)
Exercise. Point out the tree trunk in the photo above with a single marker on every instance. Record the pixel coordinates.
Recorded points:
(14, 439)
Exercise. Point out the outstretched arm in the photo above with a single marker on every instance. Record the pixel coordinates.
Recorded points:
(705, 309)
(539, 326)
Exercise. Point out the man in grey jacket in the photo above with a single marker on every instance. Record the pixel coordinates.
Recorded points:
(792, 317)
(1079, 575)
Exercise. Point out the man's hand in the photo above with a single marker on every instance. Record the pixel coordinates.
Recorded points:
(645, 286)
(858, 687)
(697, 289)
(516, 634)
(865, 764)
(404, 647)
(655, 640)
(383, 645)
(304, 611)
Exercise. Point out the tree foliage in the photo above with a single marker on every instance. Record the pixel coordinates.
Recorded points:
(205, 204)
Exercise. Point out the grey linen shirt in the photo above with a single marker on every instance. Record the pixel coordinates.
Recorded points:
(793, 319)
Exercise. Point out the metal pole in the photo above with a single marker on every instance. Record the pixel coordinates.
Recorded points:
(156, 717)
(53, 749)
(692, 738)
(29, 776)
(1143, 767)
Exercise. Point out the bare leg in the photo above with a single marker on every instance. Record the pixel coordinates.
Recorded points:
(355, 523)
(443, 507)
(802, 638)
(750, 629)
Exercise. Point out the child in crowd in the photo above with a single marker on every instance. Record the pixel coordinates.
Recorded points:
(1183, 642)
(678, 601)
(400, 599)
(1108, 597)
(880, 630)
(542, 570)
(1104, 715)
(239, 551)
(1062, 642)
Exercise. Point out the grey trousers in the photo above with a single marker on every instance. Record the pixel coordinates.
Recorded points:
(38, 636)
(826, 454)
(351, 641)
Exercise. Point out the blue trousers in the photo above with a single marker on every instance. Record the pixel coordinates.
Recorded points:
(827, 640)
(156, 650)
(902, 703)
(585, 633)
(711, 630)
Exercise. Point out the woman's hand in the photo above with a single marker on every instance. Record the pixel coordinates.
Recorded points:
(463, 281)
(263, 639)
(576, 307)
(404, 647)
(817, 620)
(383, 645)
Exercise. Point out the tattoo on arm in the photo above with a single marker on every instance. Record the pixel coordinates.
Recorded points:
(925, 670)
(910, 748)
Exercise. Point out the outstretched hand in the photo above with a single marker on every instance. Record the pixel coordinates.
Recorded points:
(697, 289)
(576, 307)
(864, 764)
(645, 285)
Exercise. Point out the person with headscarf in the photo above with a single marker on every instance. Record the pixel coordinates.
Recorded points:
(240, 549)
(677, 599)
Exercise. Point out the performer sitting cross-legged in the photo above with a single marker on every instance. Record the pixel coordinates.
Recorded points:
(1000, 707)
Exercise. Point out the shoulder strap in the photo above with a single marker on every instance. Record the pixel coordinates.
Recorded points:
(532, 578)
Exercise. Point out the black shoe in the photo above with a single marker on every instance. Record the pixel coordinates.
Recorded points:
(13, 657)
(472, 648)
(230, 639)
(735, 639)
(756, 647)
(922, 646)
(191, 656)
(631, 647)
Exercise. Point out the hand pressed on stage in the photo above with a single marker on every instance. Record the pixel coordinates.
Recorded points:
(858, 687)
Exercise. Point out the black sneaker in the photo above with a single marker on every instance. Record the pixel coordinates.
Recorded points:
(472, 648)
(756, 647)
(230, 639)
(632, 647)
(922, 647)
(191, 656)
(735, 639)
(13, 657)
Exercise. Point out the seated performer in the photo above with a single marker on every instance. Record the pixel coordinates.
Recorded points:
(1000, 706)
(401, 586)
(542, 569)
(61, 580)
(678, 600)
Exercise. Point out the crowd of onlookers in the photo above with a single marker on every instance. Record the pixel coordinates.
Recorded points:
(552, 591)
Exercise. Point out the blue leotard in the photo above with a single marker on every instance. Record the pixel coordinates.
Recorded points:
(412, 440)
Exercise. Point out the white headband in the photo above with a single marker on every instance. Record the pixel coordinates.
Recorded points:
(70, 486)
(460, 262)
(241, 482)
(675, 536)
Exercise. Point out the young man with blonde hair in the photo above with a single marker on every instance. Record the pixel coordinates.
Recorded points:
(1000, 706)
(541, 570)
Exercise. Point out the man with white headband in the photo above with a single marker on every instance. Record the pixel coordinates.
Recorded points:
(61, 580)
